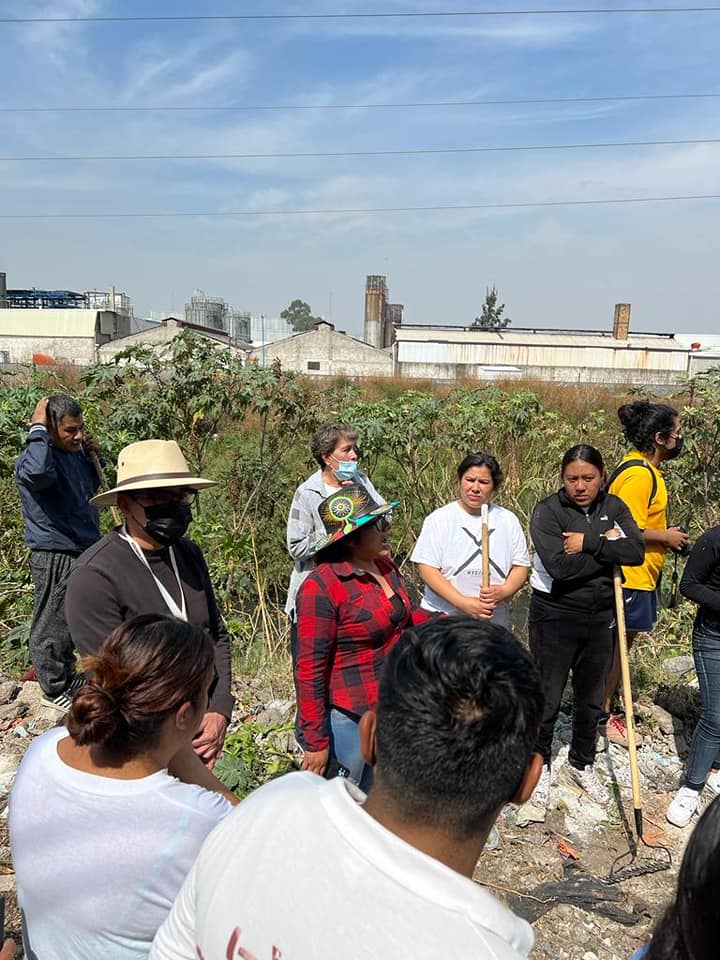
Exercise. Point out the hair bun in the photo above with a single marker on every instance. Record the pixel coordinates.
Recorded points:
(94, 716)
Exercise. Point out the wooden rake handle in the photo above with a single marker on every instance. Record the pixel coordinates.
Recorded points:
(627, 695)
(485, 541)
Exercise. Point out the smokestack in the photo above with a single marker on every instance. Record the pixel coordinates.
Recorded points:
(375, 297)
(3, 291)
(621, 321)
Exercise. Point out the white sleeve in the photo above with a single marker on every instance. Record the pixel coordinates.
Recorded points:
(428, 546)
(520, 552)
(175, 940)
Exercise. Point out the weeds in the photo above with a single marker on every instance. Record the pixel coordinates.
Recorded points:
(254, 754)
(250, 427)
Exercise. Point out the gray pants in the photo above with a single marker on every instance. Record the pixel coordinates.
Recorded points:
(51, 648)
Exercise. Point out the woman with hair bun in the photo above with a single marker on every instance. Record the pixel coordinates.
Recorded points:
(448, 551)
(102, 836)
(655, 436)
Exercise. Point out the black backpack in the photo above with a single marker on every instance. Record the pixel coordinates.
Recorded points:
(634, 463)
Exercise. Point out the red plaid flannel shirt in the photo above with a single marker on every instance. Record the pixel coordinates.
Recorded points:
(345, 631)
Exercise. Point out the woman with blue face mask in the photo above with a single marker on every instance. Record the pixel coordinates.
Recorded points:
(334, 447)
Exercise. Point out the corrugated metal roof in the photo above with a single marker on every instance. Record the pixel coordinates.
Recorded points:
(571, 339)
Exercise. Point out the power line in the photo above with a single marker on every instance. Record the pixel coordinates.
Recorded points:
(348, 211)
(336, 154)
(367, 106)
(176, 18)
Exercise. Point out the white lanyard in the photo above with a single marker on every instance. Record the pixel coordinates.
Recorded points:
(175, 610)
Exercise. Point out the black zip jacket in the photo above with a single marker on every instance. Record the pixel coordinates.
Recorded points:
(582, 580)
(701, 579)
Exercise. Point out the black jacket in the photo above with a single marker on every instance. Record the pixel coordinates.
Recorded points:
(582, 580)
(108, 584)
(701, 579)
(55, 487)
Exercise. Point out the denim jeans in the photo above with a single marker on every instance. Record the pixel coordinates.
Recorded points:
(345, 747)
(705, 749)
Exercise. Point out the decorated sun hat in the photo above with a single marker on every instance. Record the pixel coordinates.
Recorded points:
(151, 465)
(345, 511)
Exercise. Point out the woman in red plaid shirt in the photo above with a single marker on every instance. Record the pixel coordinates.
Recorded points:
(351, 610)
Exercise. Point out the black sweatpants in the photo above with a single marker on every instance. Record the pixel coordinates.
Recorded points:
(580, 641)
(51, 647)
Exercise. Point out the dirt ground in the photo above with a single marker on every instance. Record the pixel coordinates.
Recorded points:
(582, 917)
(614, 919)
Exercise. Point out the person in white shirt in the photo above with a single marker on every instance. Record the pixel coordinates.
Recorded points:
(102, 836)
(448, 551)
(312, 869)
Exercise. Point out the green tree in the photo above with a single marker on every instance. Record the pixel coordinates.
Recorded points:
(300, 316)
(491, 317)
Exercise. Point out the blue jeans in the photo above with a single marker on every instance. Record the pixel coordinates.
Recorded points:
(345, 747)
(705, 749)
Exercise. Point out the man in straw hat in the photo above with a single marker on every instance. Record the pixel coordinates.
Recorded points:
(148, 566)
(56, 477)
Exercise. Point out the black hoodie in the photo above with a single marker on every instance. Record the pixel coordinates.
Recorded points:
(582, 580)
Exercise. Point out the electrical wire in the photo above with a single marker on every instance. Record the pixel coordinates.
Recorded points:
(349, 211)
(176, 18)
(337, 154)
(367, 106)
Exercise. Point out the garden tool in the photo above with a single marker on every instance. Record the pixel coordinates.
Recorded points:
(627, 864)
(485, 541)
(105, 485)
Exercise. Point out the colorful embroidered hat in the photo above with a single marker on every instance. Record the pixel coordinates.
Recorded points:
(345, 511)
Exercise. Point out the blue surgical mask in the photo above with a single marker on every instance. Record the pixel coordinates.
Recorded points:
(346, 470)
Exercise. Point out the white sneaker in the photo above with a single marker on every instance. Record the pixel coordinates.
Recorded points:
(586, 778)
(541, 794)
(686, 803)
(713, 782)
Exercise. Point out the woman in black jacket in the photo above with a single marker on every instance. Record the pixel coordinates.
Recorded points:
(579, 533)
(701, 583)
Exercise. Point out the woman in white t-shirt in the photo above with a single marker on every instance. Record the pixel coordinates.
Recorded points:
(102, 836)
(448, 551)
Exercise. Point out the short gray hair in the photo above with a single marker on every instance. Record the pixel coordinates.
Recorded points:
(327, 437)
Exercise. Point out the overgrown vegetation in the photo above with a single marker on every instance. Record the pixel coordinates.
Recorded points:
(249, 427)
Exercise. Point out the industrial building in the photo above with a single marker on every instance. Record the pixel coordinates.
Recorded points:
(160, 334)
(564, 356)
(59, 326)
(326, 352)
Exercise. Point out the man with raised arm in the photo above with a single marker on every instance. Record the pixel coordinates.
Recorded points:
(56, 478)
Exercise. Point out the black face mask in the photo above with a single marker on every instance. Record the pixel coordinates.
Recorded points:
(676, 450)
(167, 522)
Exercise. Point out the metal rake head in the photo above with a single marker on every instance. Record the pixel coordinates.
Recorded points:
(624, 869)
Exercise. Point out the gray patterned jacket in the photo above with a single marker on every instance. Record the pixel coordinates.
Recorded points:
(305, 528)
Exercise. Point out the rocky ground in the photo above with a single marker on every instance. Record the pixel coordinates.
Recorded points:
(554, 871)
(551, 871)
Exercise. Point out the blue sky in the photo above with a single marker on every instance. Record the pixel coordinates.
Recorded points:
(562, 267)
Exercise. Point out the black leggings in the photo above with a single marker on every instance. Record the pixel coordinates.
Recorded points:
(580, 641)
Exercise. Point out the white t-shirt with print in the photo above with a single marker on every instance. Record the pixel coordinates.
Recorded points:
(451, 541)
(299, 871)
(99, 861)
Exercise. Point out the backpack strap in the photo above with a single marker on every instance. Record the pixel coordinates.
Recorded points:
(625, 465)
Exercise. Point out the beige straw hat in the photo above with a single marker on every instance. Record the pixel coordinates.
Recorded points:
(149, 465)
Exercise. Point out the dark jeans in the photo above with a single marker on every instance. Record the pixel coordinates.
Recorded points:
(705, 748)
(562, 641)
(51, 648)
